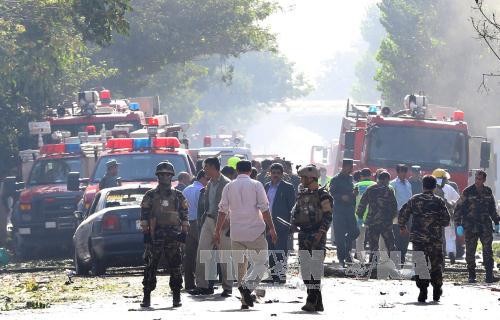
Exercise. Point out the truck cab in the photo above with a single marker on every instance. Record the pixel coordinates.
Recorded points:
(137, 158)
(43, 215)
(375, 137)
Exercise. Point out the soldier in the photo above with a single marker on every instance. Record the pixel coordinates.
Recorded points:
(110, 179)
(313, 214)
(430, 215)
(383, 208)
(475, 211)
(164, 216)
(344, 221)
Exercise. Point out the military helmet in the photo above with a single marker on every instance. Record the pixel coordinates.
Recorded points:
(166, 167)
(309, 171)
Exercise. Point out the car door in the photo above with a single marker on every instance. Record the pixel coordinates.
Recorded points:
(84, 230)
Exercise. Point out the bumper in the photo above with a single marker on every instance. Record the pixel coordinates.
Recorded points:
(119, 249)
(46, 234)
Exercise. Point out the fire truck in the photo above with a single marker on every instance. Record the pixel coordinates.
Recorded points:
(96, 108)
(421, 134)
(43, 215)
(137, 158)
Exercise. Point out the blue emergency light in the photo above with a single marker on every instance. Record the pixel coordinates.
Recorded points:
(133, 106)
(141, 144)
(72, 148)
(372, 110)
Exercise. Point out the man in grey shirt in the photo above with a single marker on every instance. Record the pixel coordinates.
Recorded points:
(212, 197)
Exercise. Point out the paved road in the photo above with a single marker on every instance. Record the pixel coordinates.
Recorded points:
(343, 298)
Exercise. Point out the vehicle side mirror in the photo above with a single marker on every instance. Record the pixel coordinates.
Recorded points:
(78, 215)
(349, 144)
(84, 181)
(11, 186)
(73, 183)
(485, 154)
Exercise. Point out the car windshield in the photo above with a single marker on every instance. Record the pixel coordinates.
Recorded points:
(53, 171)
(427, 147)
(125, 197)
(139, 167)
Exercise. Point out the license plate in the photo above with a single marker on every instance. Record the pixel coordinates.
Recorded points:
(50, 225)
(24, 230)
(138, 224)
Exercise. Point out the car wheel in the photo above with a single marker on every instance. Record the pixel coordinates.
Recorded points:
(80, 268)
(21, 250)
(97, 266)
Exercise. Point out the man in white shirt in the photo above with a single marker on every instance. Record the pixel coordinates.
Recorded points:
(246, 203)
(451, 196)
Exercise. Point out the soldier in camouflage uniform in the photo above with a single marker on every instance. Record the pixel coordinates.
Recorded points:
(312, 213)
(383, 208)
(475, 211)
(164, 217)
(430, 215)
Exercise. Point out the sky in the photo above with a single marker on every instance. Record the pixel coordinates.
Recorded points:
(311, 31)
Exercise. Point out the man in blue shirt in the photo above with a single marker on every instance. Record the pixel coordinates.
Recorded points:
(403, 192)
(281, 196)
(192, 195)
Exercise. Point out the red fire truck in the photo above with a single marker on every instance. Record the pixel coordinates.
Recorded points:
(138, 158)
(376, 137)
(43, 215)
(97, 109)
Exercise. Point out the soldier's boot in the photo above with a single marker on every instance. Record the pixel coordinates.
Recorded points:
(437, 292)
(472, 276)
(176, 298)
(311, 301)
(146, 300)
(452, 257)
(319, 302)
(490, 278)
(422, 296)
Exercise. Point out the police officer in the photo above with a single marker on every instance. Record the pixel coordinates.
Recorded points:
(383, 208)
(164, 216)
(312, 213)
(429, 215)
(475, 211)
(344, 221)
(110, 179)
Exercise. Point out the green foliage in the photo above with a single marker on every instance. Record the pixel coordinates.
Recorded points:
(177, 31)
(365, 86)
(43, 60)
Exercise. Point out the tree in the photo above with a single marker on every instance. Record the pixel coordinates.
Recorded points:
(44, 58)
(365, 86)
(177, 31)
(338, 77)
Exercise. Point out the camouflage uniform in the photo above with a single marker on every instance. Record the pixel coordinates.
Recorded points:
(165, 209)
(475, 211)
(383, 208)
(429, 215)
(312, 213)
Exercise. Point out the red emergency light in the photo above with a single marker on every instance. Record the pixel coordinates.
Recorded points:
(90, 129)
(120, 143)
(53, 148)
(105, 96)
(458, 115)
(207, 141)
(166, 142)
(153, 122)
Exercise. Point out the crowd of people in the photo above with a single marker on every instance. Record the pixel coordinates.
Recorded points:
(255, 206)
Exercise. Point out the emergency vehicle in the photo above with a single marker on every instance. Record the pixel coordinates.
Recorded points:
(137, 158)
(421, 134)
(43, 215)
(96, 108)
